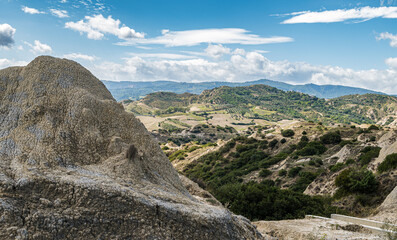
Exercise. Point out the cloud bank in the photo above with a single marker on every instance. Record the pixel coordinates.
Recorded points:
(59, 13)
(341, 15)
(79, 56)
(31, 10)
(97, 26)
(6, 35)
(388, 36)
(39, 48)
(251, 66)
(214, 36)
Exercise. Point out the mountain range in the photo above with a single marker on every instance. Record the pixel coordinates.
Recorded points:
(137, 90)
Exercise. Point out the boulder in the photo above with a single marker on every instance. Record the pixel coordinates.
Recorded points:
(75, 165)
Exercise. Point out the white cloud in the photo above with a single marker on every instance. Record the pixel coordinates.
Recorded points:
(261, 51)
(6, 35)
(59, 13)
(388, 36)
(251, 66)
(161, 55)
(216, 51)
(144, 47)
(340, 15)
(214, 36)
(79, 56)
(239, 51)
(4, 62)
(31, 10)
(63, 1)
(39, 48)
(392, 63)
(97, 26)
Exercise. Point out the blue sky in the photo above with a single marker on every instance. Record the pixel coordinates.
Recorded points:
(324, 42)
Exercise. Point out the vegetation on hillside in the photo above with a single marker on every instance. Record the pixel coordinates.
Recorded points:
(222, 173)
(272, 104)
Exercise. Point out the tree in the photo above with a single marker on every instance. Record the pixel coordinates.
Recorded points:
(331, 138)
(288, 133)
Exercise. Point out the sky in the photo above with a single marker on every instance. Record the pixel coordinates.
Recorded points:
(352, 43)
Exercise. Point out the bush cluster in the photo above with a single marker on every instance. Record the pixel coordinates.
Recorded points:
(367, 154)
(331, 138)
(263, 201)
(356, 181)
(389, 163)
(288, 133)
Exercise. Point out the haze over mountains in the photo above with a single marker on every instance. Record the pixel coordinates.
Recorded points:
(137, 90)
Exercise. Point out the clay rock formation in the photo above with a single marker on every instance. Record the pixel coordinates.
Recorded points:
(388, 209)
(75, 165)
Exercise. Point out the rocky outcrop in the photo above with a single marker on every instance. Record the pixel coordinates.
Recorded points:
(75, 165)
(388, 143)
(387, 210)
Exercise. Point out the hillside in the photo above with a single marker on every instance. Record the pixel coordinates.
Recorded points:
(274, 174)
(258, 147)
(379, 108)
(137, 90)
(262, 102)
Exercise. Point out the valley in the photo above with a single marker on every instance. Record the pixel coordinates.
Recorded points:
(273, 155)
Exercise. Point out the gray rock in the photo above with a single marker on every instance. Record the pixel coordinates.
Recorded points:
(75, 165)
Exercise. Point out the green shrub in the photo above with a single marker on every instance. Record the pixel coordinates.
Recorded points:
(294, 171)
(282, 141)
(356, 181)
(336, 167)
(389, 163)
(274, 160)
(282, 172)
(367, 154)
(288, 133)
(260, 201)
(331, 138)
(304, 133)
(273, 143)
(302, 143)
(349, 161)
(312, 148)
(265, 173)
(194, 148)
(373, 127)
(263, 144)
(180, 154)
(268, 182)
(305, 178)
(304, 139)
(345, 142)
(319, 161)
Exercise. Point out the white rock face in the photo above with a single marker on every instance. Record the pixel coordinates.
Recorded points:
(387, 211)
(75, 165)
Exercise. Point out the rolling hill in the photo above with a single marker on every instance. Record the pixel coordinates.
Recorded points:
(271, 104)
(137, 90)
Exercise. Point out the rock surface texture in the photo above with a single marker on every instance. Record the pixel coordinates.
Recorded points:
(75, 165)
(388, 209)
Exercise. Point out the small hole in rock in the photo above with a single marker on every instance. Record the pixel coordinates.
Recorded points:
(131, 152)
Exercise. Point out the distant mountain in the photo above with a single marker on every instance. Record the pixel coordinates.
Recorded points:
(137, 90)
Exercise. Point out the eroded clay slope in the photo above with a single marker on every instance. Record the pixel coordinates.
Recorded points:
(75, 165)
